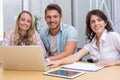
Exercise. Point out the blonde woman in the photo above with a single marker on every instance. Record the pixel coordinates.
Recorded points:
(24, 32)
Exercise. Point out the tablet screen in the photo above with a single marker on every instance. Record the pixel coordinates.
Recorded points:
(64, 73)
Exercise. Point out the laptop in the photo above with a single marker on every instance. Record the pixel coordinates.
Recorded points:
(22, 58)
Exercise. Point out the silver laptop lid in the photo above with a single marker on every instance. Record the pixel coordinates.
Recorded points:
(22, 58)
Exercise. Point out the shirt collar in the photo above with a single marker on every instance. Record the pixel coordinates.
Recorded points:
(61, 27)
(102, 38)
(104, 35)
(47, 31)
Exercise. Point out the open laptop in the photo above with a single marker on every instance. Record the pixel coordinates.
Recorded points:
(22, 58)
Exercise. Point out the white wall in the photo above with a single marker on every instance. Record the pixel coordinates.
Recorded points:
(81, 7)
(66, 10)
(1, 20)
(11, 9)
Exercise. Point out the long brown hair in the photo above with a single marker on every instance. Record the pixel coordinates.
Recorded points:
(89, 32)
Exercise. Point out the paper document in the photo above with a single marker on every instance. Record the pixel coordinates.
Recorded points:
(82, 67)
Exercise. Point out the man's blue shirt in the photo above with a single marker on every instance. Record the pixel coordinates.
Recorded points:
(66, 33)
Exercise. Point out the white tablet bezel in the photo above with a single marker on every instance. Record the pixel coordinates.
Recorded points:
(47, 73)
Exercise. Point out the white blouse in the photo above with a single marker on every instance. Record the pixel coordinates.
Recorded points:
(109, 47)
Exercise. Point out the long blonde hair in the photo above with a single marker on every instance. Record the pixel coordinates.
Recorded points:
(28, 40)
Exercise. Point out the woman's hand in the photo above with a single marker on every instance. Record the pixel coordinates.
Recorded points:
(106, 63)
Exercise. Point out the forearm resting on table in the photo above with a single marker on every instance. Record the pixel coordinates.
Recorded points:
(75, 57)
(59, 56)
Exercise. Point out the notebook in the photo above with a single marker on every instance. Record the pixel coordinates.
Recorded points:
(82, 67)
(22, 58)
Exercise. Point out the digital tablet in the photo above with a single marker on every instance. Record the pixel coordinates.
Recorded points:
(65, 73)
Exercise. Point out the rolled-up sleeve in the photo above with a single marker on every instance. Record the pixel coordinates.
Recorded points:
(72, 34)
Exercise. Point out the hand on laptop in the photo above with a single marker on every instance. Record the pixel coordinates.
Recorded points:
(53, 64)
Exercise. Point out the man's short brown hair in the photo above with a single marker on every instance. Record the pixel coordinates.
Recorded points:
(54, 7)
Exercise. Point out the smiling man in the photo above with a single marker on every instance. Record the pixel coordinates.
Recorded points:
(60, 40)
